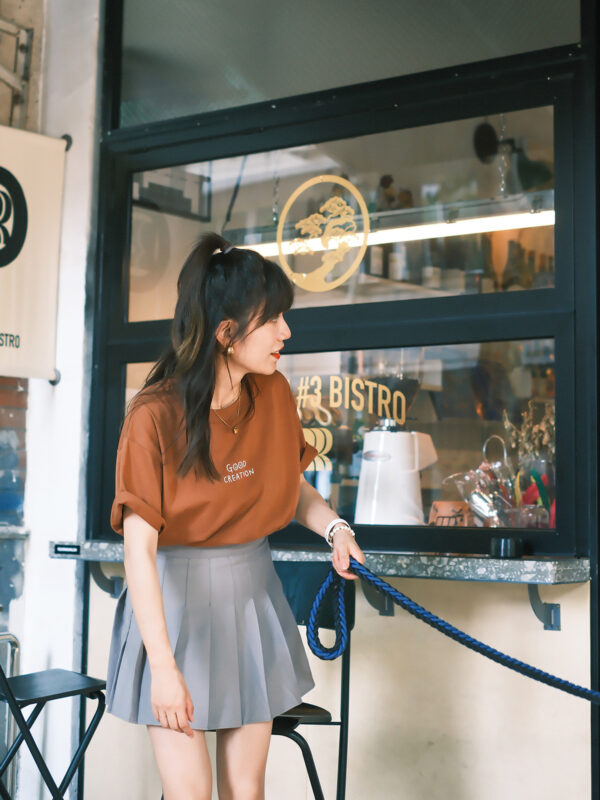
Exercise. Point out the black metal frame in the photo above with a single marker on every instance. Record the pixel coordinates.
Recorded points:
(567, 77)
(587, 332)
(300, 582)
(548, 78)
(38, 689)
(290, 731)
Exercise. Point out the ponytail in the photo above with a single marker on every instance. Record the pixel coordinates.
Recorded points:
(189, 323)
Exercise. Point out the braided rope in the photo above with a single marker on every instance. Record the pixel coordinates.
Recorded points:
(333, 583)
(435, 622)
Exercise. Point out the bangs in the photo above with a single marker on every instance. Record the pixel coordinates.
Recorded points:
(278, 292)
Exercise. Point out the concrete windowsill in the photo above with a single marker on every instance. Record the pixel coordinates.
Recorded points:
(410, 565)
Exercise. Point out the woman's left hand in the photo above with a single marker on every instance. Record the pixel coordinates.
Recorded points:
(344, 546)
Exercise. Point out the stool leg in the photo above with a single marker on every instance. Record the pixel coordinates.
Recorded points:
(309, 762)
(344, 715)
(99, 696)
(10, 754)
(33, 748)
(4, 792)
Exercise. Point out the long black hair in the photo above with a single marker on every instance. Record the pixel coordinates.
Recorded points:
(217, 282)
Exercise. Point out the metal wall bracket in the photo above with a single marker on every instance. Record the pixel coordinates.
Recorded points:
(113, 585)
(548, 613)
(382, 602)
(17, 79)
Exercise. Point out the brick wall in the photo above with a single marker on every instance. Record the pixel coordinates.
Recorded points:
(13, 405)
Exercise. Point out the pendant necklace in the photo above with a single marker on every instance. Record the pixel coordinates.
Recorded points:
(235, 428)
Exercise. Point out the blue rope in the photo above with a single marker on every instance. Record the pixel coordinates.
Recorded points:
(333, 581)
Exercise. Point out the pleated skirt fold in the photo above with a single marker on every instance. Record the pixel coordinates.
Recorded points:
(233, 635)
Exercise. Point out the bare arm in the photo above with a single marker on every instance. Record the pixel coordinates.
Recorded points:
(141, 544)
(314, 513)
(171, 702)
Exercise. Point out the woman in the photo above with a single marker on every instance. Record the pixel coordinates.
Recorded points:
(210, 462)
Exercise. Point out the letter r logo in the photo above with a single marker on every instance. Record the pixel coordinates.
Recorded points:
(13, 217)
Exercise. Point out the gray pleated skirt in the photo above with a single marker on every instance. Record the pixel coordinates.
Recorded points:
(233, 636)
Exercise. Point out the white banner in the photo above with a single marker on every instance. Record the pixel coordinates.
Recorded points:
(31, 186)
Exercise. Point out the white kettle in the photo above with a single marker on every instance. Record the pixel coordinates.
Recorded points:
(389, 485)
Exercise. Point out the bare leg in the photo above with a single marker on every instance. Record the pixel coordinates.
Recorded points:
(183, 764)
(242, 760)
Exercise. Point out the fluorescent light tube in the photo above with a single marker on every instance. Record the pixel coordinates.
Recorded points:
(413, 233)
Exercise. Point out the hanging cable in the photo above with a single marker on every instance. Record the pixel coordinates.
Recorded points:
(234, 194)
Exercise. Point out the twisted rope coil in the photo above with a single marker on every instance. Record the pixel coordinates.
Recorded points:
(335, 583)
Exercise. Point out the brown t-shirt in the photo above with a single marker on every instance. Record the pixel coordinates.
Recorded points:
(257, 492)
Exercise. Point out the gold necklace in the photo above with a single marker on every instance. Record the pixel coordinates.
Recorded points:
(234, 428)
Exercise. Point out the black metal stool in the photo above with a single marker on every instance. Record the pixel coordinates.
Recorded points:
(301, 582)
(40, 688)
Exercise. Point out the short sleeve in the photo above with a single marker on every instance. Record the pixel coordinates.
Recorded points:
(306, 452)
(138, 475)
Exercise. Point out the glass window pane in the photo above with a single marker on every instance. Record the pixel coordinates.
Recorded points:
(453, 208)
(191, 57)
(135, 376)
(453, 435)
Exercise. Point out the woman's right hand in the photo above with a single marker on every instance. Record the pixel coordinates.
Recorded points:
(171, 701)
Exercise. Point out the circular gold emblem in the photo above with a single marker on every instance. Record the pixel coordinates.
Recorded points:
(332, 231)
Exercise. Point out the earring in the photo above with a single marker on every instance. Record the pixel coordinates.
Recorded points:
(230, 350)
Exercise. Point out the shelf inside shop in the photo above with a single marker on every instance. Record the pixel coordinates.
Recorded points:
(526, 202)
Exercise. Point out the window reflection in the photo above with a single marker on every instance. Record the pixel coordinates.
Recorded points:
(426, 212)
(135, 376)
(173, 61)
(450, 435)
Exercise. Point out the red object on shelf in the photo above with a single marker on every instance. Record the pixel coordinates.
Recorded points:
(531, 494)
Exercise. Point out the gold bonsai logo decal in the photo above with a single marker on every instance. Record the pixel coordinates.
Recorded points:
(330, 233)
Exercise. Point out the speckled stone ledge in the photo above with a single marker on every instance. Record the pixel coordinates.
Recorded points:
(462, 568)
(13, 532)
(437, 567)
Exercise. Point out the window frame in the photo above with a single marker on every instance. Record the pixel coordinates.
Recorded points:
(548, 78)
